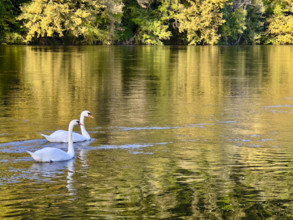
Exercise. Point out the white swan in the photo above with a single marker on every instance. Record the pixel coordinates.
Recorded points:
(51, 154)
(62, 136)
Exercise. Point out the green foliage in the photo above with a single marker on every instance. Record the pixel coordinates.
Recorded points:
(255, 22)
(110, 19)
(87, 21)
(9, 10)
(280, 28)
(152, 22)
(146, 22)
(200, 20)
(5, 17)
(56, 18)
(244, 22)
(13, 38)
(152, 32)
(235, 25)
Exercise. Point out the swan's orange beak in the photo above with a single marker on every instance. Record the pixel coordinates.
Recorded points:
(91, 116)
(80, 124)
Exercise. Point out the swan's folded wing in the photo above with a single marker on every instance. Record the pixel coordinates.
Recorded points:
(49, 154)
(78, 137)
(57, 136)
(62, 136)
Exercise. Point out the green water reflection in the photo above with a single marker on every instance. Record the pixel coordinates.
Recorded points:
(179, 132)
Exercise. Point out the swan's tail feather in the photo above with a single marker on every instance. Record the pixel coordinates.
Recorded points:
(48, 138)
(34, 156)
(45, 136)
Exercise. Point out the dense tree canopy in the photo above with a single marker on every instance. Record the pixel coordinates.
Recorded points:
(281, 23)
(85, 21)
(10, 28)
(244, 22)
(155, 22)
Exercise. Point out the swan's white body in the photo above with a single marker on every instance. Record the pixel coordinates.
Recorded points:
(50, 154)
(62, 136)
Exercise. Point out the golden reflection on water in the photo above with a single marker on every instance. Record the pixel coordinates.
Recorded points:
(218, 121)
(63, 81)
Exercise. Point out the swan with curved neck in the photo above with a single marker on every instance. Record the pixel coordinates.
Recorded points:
(62, 136)
(51, 154)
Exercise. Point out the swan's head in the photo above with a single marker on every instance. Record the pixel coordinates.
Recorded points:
(75, 122)
(87, 114)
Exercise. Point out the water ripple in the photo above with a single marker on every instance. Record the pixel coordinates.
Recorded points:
(166, 127)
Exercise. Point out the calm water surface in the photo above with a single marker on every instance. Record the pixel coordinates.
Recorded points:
(179, 132)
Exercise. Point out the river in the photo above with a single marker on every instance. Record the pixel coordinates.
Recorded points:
(179, 132)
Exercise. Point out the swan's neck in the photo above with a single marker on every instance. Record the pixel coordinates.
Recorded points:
(82, 128)
(70, 142)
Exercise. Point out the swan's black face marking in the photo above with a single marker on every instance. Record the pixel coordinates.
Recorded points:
(78, 123)
(89, 115)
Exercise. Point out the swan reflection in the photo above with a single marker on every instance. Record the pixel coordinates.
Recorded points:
(84, 149)
(47, 171)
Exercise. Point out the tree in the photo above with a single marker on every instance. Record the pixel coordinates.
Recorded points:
(200, 20)
(244, 22)
(113, 15)
(280, 29)
(47, 20)
(145, 22)
(10, 28)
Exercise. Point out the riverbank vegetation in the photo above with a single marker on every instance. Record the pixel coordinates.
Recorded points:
(151, 22)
